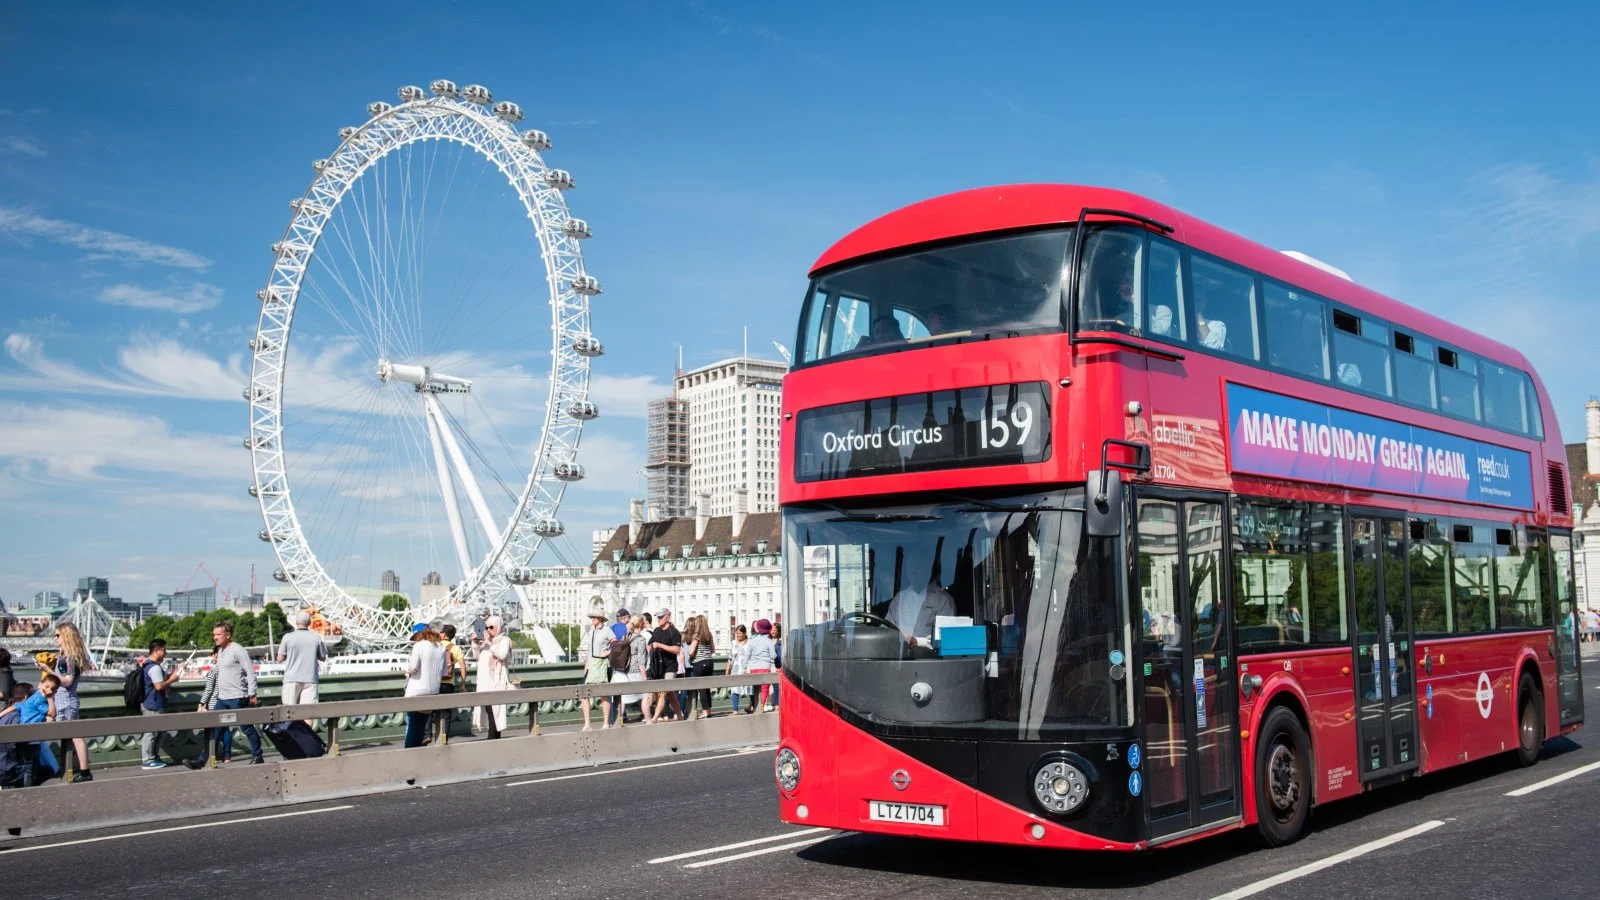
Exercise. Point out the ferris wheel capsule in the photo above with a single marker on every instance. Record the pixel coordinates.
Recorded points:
(534, 139)
(520, 575)
(377, 108)
(280, 575)
(568, 471)
(549, 527)
(477, 93)
(265, 536)
(588, 345)
(506, 111)
(577, 228)
(587, 285)
(444, 87)
(411, 94)
(347, 132)
(256, 443)
(317, 165)
(583, 411)
(560, 179)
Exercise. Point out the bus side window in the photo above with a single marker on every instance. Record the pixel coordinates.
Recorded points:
(1472, 580)
(1330, 621)
(1166, 312)
(1297, 332)
(1225, 308)
(1519, 580)
(1110, 291)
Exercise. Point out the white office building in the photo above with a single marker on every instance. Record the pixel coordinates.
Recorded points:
(734, 416)
(555, 597)
(723, 567)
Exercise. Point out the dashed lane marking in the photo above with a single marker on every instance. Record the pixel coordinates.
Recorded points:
(739, 846)
(762, 852)
(676, 762)
(1312, 868)
(134, 834)
(1557, 779)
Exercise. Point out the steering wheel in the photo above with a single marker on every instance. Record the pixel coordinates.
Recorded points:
(869, 618)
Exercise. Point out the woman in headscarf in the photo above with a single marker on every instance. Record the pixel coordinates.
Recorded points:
(493, 650)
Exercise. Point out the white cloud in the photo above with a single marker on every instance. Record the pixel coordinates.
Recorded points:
(150, 367)
(14, 144)
(610, 463)
(82, 443)
(192, 299)
(625, 395)
(100, 244)
(181, 371)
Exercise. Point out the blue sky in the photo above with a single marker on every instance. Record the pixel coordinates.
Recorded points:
(147, 153)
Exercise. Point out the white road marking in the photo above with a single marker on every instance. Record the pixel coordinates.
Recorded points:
(1539, 786)
(676, 762)
(1312, 868)
(117, 837)
(762, 852)
(739, 846)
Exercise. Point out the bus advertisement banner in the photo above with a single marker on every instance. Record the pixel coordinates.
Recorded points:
(1284, 437)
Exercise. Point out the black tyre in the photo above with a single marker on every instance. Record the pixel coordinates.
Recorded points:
(1283, 778)
(1530, 722)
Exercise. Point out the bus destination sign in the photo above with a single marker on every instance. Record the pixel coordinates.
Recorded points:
(983, 426)
(1285, 437)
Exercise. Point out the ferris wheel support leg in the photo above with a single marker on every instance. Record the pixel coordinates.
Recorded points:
(463, 472)
(458, 534)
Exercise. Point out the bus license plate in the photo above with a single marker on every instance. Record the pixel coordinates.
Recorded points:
(909, 813)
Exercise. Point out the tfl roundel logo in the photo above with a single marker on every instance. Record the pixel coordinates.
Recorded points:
(901, 779)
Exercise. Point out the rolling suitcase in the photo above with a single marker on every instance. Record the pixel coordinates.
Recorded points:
(295, 740)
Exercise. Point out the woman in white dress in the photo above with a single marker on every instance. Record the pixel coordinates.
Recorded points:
(493, 651)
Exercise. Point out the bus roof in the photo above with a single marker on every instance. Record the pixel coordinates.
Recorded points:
(1007, 207)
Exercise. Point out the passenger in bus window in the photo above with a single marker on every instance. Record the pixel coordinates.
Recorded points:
(1350, 375)
(941, 320)
(1161, 321)
(1213, 332)
(885, 330)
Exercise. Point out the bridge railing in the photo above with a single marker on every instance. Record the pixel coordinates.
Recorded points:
(332, 712)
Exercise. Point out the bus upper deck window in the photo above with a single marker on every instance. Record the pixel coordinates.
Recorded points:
(1111, 293)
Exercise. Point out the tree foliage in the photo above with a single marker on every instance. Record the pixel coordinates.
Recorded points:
(249, 629)
(394, 603)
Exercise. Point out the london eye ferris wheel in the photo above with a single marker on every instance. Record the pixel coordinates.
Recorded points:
(420, 371)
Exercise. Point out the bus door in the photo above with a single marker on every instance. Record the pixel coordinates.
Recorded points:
(1189, 707)
(1569, 681)
(1386, 693)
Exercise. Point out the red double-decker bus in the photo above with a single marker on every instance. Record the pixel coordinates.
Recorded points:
(1106, 528)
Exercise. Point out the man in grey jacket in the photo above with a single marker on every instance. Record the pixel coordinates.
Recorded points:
(236, 687)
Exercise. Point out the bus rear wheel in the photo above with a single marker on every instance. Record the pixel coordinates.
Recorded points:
(1530, 722)
(1283, 778)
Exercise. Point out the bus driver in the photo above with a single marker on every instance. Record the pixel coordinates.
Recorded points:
(914, 610)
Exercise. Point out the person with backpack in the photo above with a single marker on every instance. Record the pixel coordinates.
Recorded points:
(620, 660)
(152, 680)
(596, 652)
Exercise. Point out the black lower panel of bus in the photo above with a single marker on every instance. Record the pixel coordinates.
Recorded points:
(1005, 770)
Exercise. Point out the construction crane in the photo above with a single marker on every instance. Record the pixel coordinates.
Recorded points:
(225, 595)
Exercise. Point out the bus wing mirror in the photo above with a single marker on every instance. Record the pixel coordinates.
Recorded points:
(1103, 506)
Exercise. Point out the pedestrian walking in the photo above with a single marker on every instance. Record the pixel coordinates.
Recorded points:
(762, 655)
(777, 660)
(701, 647)
(236, 689)
(157, 680)
(739, 664)
(638, 663)
(8, 678)
(666, 647)
(493, 650)
(300, 652)
(452, 680)
(71, 661)
(208, 702)
(422, 679)
(596, 644)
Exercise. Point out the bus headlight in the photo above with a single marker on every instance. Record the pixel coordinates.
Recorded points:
(1060, 787)
(787, 767)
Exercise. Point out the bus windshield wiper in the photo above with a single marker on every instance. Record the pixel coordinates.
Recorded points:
(976, 505)
(847, 515)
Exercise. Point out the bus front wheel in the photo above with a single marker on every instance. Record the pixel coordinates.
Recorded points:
(1530, 722)
(1283, 778)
